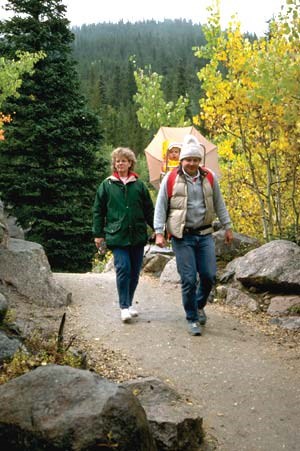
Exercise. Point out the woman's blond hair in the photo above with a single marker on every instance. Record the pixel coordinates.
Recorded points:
(125, 152)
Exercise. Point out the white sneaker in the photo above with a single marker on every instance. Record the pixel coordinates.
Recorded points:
(133, 311)
(125, 315)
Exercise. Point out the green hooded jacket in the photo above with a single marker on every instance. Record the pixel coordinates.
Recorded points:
(121, 212)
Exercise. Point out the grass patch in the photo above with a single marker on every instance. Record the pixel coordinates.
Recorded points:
(40, 351)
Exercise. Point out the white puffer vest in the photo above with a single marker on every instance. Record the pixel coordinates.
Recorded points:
(178, 205)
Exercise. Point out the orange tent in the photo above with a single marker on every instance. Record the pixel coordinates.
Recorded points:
(154, 151)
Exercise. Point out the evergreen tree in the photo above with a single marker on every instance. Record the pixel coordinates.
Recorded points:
(47, 161)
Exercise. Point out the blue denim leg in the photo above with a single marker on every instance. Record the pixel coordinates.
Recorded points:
(187, 268)
(128, 262)
(195, 254)
(206, 267)
(136, 259)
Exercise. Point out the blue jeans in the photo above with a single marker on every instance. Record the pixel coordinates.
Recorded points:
(128, 262)
(195, 254)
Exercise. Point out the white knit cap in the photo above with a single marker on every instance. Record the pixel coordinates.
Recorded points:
(191, 148)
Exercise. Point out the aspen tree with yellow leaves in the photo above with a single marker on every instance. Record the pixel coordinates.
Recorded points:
(251, 111)
(11, 72)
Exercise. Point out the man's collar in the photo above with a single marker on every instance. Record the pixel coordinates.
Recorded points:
(192, 177)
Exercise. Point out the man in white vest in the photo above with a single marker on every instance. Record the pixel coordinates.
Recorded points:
(189, 198)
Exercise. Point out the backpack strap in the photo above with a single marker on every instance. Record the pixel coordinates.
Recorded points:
(205, 172)
(170, 182)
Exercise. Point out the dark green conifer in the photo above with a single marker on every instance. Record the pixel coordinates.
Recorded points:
(47, 161)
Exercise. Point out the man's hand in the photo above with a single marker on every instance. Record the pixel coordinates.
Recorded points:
(98, 242)
(160, 240)
(228, 236)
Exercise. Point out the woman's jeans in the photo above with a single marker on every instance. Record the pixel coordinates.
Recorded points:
(195, 254)
(128, 262)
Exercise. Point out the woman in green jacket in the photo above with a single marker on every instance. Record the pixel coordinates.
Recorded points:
(122, 210)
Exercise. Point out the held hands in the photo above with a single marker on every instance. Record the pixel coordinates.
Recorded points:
(160, 240)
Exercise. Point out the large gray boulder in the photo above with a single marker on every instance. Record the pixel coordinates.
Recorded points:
(62, 408)
(24, 265)
(176, 425)
(275, 267)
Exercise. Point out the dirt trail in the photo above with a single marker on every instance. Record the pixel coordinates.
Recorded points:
(245, 384)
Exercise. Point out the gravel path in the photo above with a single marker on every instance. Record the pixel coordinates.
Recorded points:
(246, 383)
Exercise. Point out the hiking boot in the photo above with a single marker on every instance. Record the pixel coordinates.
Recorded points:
(125, 315)
(133, 311)
(194, 328)
(202, 316)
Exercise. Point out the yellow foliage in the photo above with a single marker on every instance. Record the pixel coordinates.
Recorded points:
(251, 108)
(225, 149)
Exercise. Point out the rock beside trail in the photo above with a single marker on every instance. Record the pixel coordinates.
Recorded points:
(266, 279)
(283, 305)
(25, 268)
(289, 323)
(63, 408)
(274, 266)
(176, 425)
(239, 298)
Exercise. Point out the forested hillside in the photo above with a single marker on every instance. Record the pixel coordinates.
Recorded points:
(103, 52)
